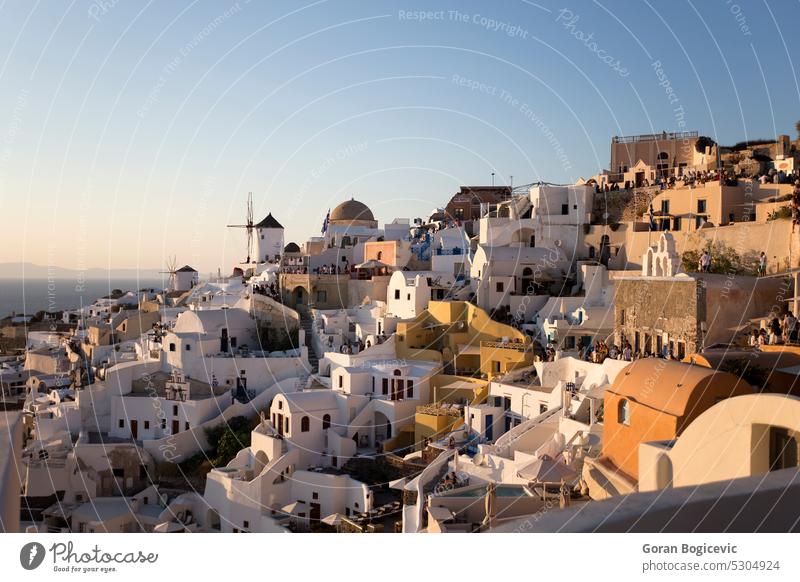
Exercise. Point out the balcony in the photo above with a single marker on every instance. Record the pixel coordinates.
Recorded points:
(517, 346)
(434, 410)
(449, 252)
(654, 136)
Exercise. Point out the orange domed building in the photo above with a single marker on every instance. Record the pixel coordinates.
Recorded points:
(652, 400)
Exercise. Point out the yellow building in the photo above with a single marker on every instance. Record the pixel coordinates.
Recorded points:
(465, 339)
(433, 421)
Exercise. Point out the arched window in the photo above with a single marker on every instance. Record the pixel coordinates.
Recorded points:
(305, 424)
(326, 421)
(398, 373)
(663, 156)
(527, 272)
(624, 412)
(380, 255)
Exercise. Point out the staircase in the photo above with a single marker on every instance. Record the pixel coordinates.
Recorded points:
(313, 360)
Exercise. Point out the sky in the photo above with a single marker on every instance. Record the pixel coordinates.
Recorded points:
(131, 132)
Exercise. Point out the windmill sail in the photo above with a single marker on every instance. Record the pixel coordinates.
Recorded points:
(172, 267)
(248, 225)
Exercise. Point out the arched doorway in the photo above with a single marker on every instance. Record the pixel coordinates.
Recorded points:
(298, 298)
(259, 463)
(212, 519)
(523, 237)
(383, 428)
(605, 250)
(527, 281)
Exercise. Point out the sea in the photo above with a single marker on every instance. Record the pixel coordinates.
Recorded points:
(31, 295)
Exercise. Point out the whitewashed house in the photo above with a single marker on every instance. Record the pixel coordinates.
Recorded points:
(584, 318)
(451, 253)
(265, 487)
(410, 291)
(559, 213)
(510, 277)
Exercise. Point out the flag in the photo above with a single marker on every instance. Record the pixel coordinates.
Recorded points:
(652, 219)
(325, 222)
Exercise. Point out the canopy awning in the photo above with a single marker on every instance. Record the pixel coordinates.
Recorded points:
(440, 513)
(547, 470)
(468, 350)
(333, 519)
(372, 264)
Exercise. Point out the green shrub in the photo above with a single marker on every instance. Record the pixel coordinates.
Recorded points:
(724, 260)
(782, 212)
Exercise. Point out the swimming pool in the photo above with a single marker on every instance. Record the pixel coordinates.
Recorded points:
(480, 491)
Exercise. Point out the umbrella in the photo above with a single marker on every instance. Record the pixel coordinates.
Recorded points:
(398, 483)
(334, 519)
(547, 470)
(440, 513)
(491, 494)
(371, 264)
(292, 507)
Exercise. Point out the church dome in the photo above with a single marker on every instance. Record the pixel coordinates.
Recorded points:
(352, 210)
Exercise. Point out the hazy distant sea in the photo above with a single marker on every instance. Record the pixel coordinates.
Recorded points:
(32, 295)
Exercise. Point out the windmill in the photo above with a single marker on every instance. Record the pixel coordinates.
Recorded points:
(172, 269)
(248, 225)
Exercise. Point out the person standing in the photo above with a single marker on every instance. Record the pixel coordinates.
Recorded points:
(705, 262)
(790, 328)
(626, 353)
(762, 264)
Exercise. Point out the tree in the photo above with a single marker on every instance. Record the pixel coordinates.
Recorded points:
(797, 127)
(227, 439)
(702, 143)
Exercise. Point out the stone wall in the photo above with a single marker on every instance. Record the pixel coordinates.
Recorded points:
(748, 239)
(651, 307)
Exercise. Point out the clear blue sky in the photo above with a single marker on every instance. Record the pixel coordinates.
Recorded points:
(132, 131)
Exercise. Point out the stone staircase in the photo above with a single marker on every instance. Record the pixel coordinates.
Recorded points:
(313, 360)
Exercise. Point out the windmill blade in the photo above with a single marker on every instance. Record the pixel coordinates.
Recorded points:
(172, 263)
(249, 225)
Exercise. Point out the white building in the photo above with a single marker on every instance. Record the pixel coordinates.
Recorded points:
(558, 214)
(365, 324)
(552, 416)
(158, 405)
(510, 277)
(410, 292)
(265, 486)
(222, 345)
(366, 405)
(451, 253)
(586, 317)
